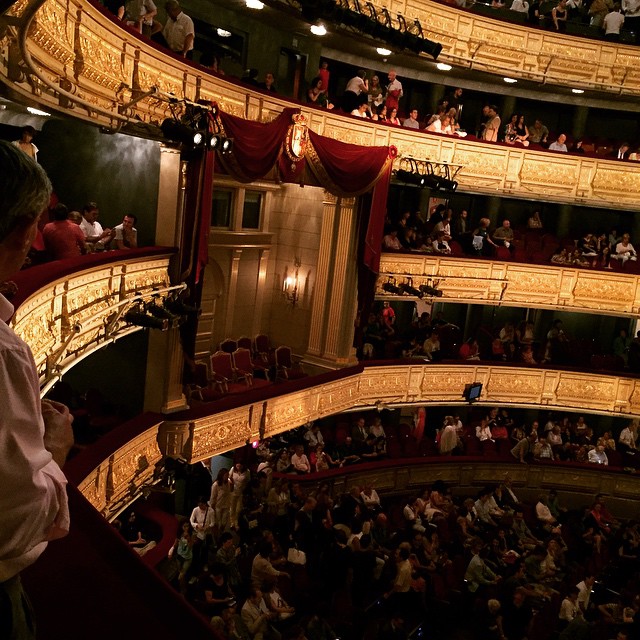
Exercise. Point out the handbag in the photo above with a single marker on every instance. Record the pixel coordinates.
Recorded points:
(295, 556)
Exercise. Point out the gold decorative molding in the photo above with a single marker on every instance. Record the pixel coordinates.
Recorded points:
(71, 317)
(124, 474)
(516, 284)
(103, 70)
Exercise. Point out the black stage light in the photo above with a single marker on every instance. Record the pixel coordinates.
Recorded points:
(448, 185)
(432, 48)
(164, 314)
(227, 145)
(428, 290)
(432, 181)
(404, 176)
(145, 320)
(178, 132)
(409, 289)
(391, 287)
(179, 308)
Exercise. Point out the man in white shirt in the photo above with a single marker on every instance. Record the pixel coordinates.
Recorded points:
(631, 10)
(612, 24)
(584, 592)
(94, 234)
(627, 438)
(569, 608)
(35, 435)
(393, 93)
(179, 31)
(625, 250)
(559, 144)
(492, 125)
(257, 617)
(598, 456)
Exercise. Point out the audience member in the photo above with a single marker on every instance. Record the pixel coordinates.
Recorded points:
(125, 235)
(559, 144)
(62, 238)
(25, 143)
(178, 32)
(393, 93)
(94, 235)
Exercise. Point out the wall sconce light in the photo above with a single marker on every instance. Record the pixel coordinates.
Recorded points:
(290, 287)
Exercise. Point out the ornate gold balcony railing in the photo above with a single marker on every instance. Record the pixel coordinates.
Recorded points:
(74, 315)
(515, 284)
(85, 65)
(480, 42)
(117, 479)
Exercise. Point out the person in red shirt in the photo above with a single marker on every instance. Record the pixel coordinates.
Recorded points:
(62, 238)
(323, 74)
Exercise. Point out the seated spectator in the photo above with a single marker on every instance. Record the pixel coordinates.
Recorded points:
(559, 144)
(598, 456)
(483, 431)
(390, 241)
(470, 350)
(276, 603)
(393, 116)
(370, 498)
(412, 121)
(318, 95)
(606, 441)
(95, 236)
(62, 238)
(431, 347)
(262, 569)
(624, 250)
(449, 440)
(542, 450)
(538, 133)
(503, 236)
(269, 83)
(440, 244)
(348, 452)
(257, 617)
(534, 221)
(299, 461)
(379, 113)
(523, 451)
(312, 435)
(441, 125)
(361, 111)
(178, 33)
(499, 431)
(216, 592)
(230, 625)
(125, 235)
(627, 438)
(283, 464)
(578, 260)
(544, 515)
(522, 6)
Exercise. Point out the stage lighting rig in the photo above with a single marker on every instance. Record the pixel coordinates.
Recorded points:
(408, 288)
(430, 291)
(391, 287)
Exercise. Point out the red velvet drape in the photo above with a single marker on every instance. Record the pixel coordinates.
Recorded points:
(345, 169)
(256, 145)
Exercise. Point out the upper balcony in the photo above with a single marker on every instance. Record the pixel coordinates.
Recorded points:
(75, 60)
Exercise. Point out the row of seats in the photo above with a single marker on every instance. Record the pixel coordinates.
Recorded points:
(239, 365)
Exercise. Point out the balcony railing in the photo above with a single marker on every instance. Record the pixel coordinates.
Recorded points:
(487, 281)
(87, 66)
(70, 308)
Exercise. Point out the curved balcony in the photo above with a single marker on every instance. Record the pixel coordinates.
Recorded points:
(68, 309)
(90, 68)
(113, 472)
(492, 282)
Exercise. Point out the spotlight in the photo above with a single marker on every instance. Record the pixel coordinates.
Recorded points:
(448, 185)
(432, 48)
(164, 314)
(215, 141)
(179, 308)
(144, 320)
(227, 145)
(408, 288)
(428, 290)
(178, 132)
(433, 181)
(391, 287)
(404, 176)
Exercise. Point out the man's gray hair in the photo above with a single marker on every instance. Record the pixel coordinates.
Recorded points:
(24, 189)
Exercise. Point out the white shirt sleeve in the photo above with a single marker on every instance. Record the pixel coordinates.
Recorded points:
(33, 499)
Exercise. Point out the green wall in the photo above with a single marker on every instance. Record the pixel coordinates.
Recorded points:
(119, 172)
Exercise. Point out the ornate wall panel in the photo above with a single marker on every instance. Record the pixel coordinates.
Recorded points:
(467, 280)
(77, 314)
(94, 70)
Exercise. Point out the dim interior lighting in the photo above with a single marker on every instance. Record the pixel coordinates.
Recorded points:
(577, 90)
(318, 30)
(255, 444)
(510, 80)
(443, 66)
(383, 52)
(254, 4)
(291, 285)
(223, 33)
(197, 138)
(37, 112)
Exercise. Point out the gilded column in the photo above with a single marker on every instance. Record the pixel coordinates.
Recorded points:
(163, 384)
(335, 295)
(323, 276)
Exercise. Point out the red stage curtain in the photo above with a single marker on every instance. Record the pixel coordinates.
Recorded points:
(256, 145)
(345, 169)
(377, 214)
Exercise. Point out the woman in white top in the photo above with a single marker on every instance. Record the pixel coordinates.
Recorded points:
(442, 125)
(483, 431)
(377, 429)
